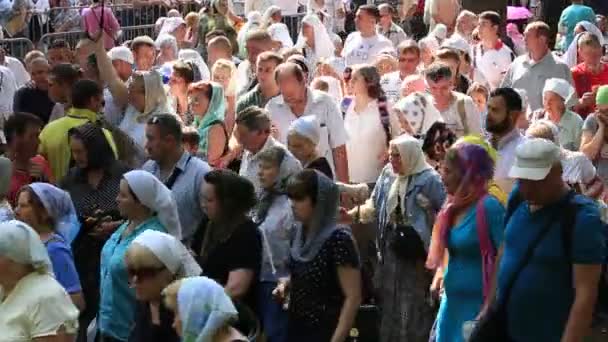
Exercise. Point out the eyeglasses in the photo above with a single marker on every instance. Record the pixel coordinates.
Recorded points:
(143, 272)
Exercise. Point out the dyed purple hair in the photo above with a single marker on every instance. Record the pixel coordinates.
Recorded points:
(475, 164)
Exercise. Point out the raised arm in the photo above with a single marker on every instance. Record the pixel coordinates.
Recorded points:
(117, 87)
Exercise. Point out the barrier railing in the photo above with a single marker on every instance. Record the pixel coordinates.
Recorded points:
(72, 37)
(17, 47)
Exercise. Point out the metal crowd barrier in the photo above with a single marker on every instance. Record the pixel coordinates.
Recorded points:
(72, 37)
(17, 47)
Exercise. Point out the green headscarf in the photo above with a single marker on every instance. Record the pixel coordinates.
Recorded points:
(602, 96)
(214, 115)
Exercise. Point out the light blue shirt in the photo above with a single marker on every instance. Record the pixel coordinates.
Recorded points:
(187, 190)
(117, 302)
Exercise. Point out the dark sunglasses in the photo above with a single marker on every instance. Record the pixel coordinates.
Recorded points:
(143, 272)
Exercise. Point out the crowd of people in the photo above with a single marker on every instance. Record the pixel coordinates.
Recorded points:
(225, 182)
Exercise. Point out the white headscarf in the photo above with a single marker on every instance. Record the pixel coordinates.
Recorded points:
(279, 33)
(307, 126)
(571, 55)
(171, 252)
(155, 96)
(203, 308)
(413, 162)
(270, 11)
(430, 43)
(153, 194)
(190, 55)
(167, 40)
(254, 21)
(324, 46)
(20, 243)
(559, 86)
(169, 25)
(59, 206)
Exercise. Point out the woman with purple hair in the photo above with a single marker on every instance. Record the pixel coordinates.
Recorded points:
(470, 230)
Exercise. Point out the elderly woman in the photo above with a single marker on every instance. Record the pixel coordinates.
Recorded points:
(154, 260)
(571, 57)
(203, 311)
(320, 308)
(217, 17)
(6, 171)
(314, 41)
(470, 229)
(230, 251)
(275, 219)
(93, 185)
(224, 73)
(35, 306)
(207, 105)
(167, 47)
(555, 94)
(147, 204)
(50, 212)
(405, 201)
(302, 140)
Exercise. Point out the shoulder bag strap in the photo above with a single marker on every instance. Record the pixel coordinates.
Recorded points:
(463, 115)
(176, 172)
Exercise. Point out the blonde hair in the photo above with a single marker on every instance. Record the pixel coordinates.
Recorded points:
(170, 295)
(138, 256)
(224, 64)
(192, 19)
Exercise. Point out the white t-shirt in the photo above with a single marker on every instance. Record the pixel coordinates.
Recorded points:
(21, 75)
(324, 108)
(111, 111)
(8, 87)
(452, 116)
(493, 63)
(37, 307)
(367, 143)
(359, 50)
(391, 84)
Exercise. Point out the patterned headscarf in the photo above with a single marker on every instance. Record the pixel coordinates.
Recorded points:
(99, 152)
(204, 308)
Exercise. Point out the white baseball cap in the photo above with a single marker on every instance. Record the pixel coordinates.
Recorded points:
(534, 158)
(121, 53)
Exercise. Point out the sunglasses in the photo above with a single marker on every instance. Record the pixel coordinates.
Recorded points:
(143, 272)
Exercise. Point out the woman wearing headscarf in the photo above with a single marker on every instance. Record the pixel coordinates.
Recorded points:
(176, 27)
(6, 172)
(50, 212)
(416, 113)
(203, 311)
(555, 95)
(254, 22)
(224, 72)
(230, 248)
(146, 95)
(191, 55)
(470, 229)
(154, 260)
(571, 56)
(275, 219)
(93, 184)
(404, 202)
(167, 48)
(302, 140)
(208, 107)
(34, 305)
(320, 308)
(314, 41)
(146, 204)
(217, 17)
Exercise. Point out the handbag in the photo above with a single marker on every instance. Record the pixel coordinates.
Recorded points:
(367, 325)
(406, 242)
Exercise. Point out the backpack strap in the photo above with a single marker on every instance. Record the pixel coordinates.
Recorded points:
(513, 203)
(223, 124)
(462, 113)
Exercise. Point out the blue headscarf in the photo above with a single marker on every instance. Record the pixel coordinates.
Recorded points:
(204, 308)
(59, 206)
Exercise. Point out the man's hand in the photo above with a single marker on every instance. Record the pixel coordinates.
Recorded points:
(587, 100)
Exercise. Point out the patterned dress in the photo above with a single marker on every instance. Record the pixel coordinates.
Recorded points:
(403, 284)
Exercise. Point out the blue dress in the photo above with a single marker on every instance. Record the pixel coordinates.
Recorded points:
(463, 295)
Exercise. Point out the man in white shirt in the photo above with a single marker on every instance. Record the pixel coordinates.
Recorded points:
(409, 59)
(491, 56)
(20, 74)
(363, 45)
(298, 100)
(8, 87)
(504, 107)
(531, 71)
(252, 130)
(457, 110)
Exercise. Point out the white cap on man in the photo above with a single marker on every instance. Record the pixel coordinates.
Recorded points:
(121, 53)
(534, 158)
